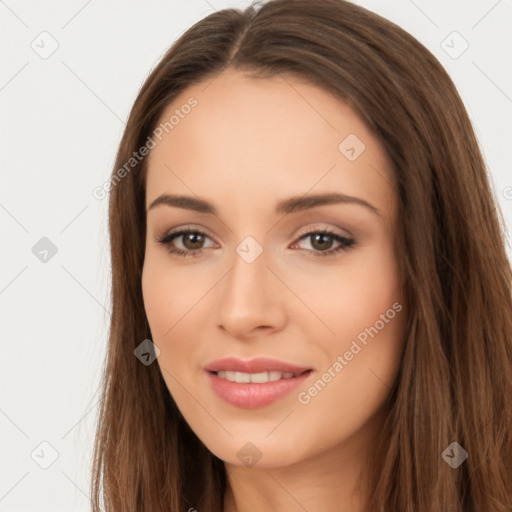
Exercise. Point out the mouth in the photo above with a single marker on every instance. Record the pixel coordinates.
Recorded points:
(256, 383)
(258, 365)
(257, 378)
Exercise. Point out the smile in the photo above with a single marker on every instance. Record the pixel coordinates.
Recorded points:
(254, 390)
(258, 378)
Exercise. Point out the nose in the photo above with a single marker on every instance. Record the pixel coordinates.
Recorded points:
(252, 300)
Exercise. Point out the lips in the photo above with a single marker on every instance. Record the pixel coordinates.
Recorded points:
(257, 365)
(255, 383)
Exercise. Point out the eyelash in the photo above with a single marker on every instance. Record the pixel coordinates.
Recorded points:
(346, 243)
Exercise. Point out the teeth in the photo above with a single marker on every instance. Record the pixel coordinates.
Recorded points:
(259, 378)
(272, 376)
(242, 377)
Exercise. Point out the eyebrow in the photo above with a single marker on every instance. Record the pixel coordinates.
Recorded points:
(290, 205)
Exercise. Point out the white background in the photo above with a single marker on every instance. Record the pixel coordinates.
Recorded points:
(61, 122)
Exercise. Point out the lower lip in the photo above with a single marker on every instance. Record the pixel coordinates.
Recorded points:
(250, 395)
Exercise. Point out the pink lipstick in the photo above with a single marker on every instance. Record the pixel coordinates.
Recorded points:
(254, 383)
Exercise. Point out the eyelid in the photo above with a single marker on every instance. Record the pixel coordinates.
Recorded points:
(303, 231)
(185, 227)
(322, 227)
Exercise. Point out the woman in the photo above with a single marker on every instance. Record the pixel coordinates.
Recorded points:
(374, 378)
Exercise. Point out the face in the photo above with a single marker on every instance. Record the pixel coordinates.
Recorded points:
(281, 260)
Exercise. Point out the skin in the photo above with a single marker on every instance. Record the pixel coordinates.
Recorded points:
(248, 144)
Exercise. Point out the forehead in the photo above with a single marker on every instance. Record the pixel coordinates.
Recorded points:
(265, 138)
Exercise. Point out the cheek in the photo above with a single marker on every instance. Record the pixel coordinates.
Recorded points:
(169, 294)
(355, 385)
(363, 364)
(363, 306)
(166, 301)
(347, 297)
(176, 307)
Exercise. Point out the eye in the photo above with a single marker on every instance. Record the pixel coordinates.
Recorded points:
(323, 240)
(191, 242)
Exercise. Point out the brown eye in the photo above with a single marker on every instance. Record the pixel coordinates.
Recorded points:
(186, 242)
(192, 241)
(325, 243)
(321, 241)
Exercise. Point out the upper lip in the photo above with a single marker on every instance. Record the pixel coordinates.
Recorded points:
(256, 365)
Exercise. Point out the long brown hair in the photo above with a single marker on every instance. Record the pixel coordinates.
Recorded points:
(455, 380)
